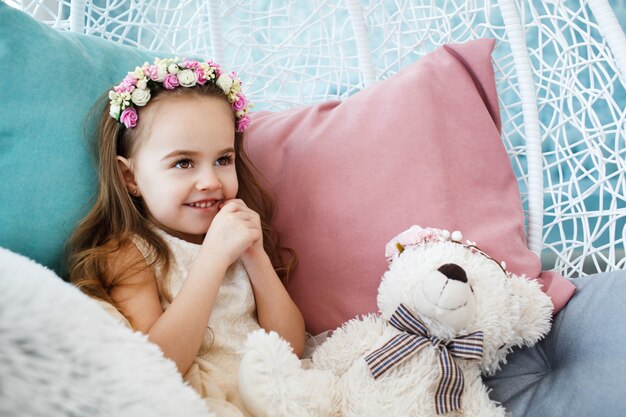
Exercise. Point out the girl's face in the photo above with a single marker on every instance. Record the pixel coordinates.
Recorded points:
(184, 167)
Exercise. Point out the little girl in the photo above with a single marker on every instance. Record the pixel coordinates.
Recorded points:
(179, 239)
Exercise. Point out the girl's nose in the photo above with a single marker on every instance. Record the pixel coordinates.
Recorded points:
(208, 180)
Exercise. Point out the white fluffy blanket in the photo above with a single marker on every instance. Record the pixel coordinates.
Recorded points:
(61, 354)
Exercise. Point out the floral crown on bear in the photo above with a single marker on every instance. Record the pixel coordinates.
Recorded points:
(416, 235)
(170, 73)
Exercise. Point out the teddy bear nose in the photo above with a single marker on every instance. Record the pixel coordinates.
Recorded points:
(453, 271)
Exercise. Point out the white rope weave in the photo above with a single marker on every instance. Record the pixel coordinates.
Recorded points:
(528, 96)
(611, 30)
(362, 46)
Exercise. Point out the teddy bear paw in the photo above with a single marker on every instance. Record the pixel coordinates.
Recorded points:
(272, 381)
(267, 368)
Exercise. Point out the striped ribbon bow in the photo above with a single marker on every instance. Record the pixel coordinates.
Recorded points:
(415, 337)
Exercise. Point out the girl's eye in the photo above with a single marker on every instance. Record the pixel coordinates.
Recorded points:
(183, 163)
(224, 160)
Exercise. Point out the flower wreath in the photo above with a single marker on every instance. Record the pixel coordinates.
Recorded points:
(416, 235)
(134, 90)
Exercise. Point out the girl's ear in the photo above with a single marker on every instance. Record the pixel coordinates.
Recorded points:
(127, 176)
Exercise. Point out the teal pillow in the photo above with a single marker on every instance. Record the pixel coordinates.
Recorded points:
(49, 82)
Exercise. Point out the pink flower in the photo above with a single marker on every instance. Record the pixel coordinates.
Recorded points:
(170, 82)
(412, 236)
(130, 80)
(129, 117)
(187, 63)
(124, 87)
(152, 72)
(243, 123)
(240, 103)
(200, 74)
(415, 235)
(216, 68)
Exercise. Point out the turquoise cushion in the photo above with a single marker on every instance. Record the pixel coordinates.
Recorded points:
(49, 82)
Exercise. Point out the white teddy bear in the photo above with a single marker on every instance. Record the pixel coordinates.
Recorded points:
(448, 312)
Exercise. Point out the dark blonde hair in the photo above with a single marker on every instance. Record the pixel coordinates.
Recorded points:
(116, 216)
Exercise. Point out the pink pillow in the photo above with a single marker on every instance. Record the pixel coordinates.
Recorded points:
(422, 147)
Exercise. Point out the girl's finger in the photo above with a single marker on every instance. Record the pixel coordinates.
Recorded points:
(234, 203)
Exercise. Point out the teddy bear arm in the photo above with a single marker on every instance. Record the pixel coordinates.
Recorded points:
(535, 311)
(529, 322)
(348, 344)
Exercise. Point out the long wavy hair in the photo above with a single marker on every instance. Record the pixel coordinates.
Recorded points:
(116, 216)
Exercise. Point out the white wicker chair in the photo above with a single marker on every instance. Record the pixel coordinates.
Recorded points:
(560, 69)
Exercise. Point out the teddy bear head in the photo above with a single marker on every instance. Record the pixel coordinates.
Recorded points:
(455, 289)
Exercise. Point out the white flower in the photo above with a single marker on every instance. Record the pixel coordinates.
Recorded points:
(115, 111)
(142, 83)
(224, 82)
(138, 73)
(140, 97)
(209, 72)
(172, 68)
(187, 78)
(236, 87)
(457, 236)
(161, 72)
(166, 61)
(240, 113)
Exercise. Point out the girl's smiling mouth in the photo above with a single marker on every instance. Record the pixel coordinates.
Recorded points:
(202, 204)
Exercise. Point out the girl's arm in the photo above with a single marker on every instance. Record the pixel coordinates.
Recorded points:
(275, 309)
(179, 331)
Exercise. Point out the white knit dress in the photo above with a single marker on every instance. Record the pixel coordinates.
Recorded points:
(214, 370)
